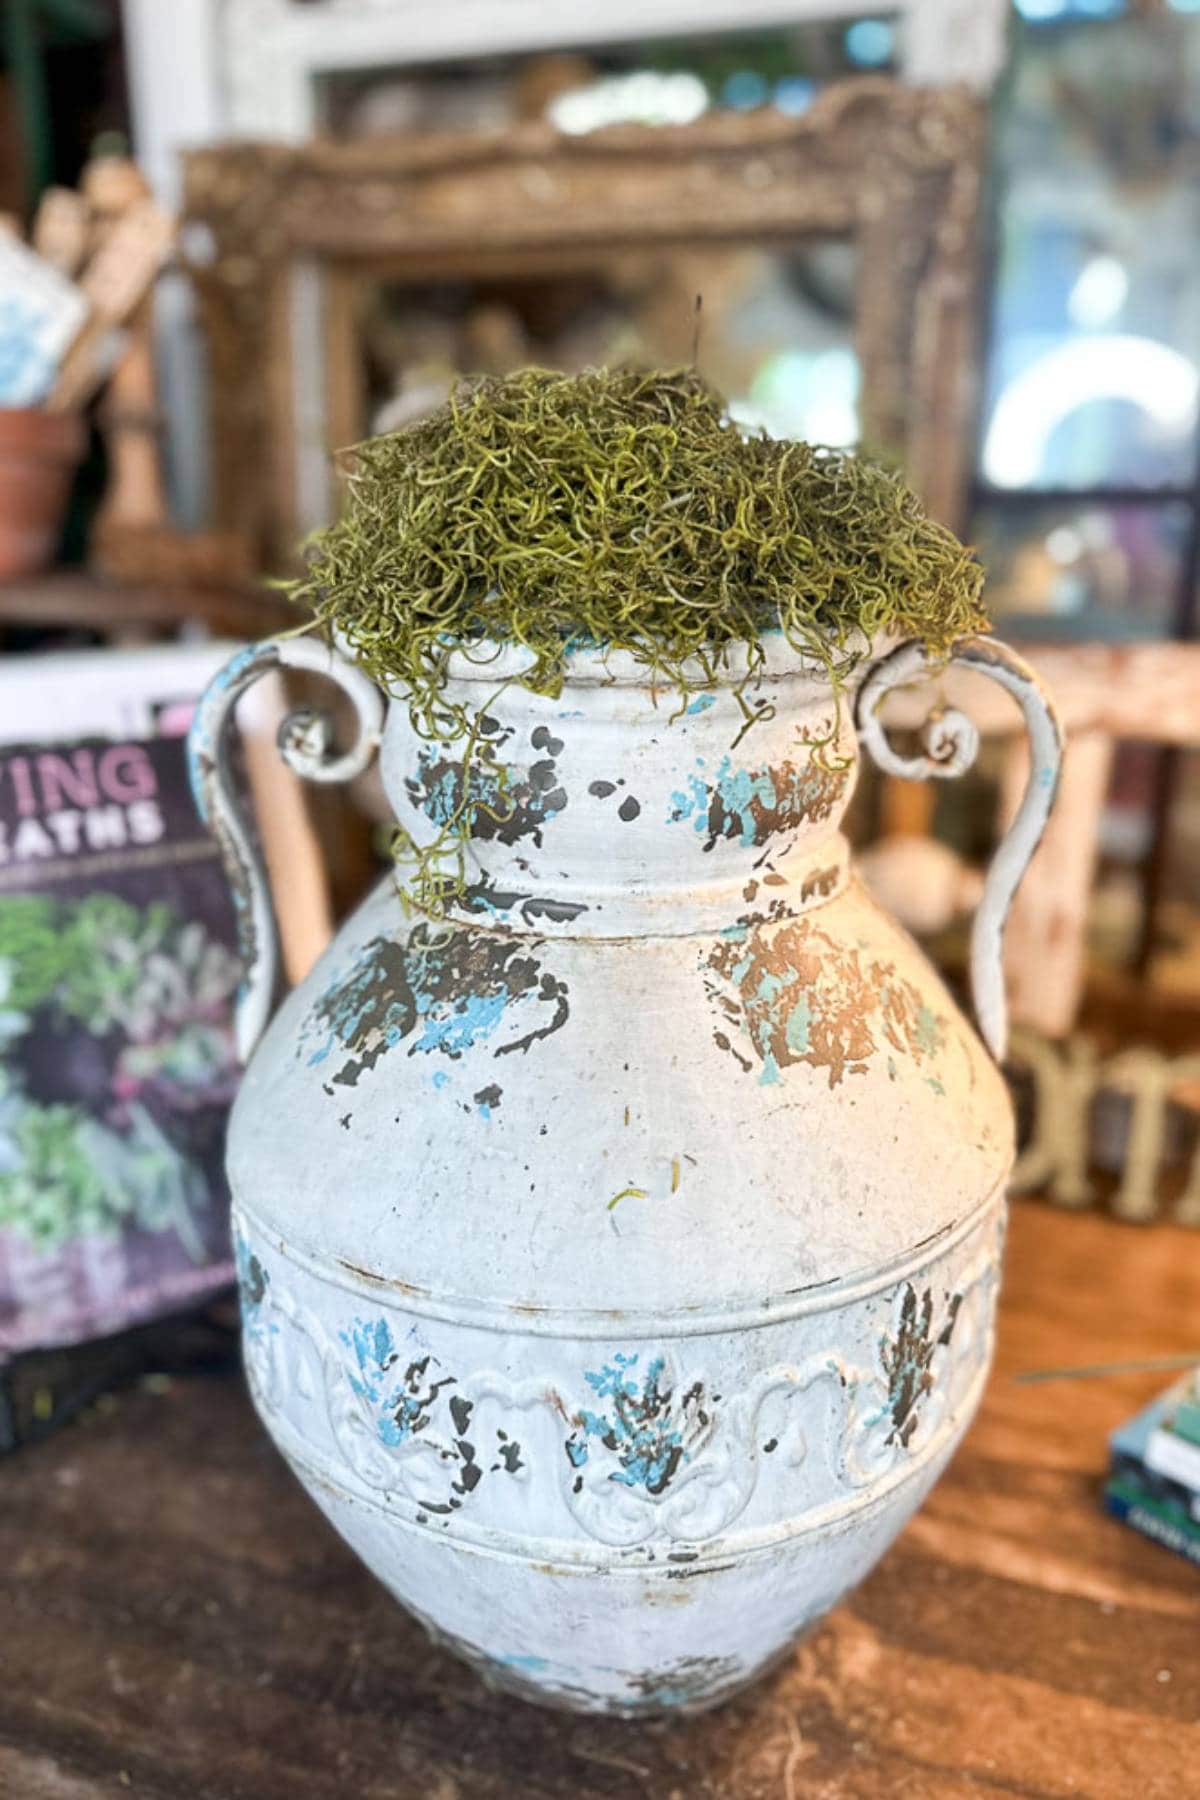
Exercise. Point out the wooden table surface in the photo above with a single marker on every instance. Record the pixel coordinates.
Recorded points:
(177, 1622)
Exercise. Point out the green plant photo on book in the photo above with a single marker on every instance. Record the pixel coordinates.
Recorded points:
(109, 1012)
(624, 510)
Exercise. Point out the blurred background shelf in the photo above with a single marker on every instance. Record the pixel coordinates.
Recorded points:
(72, 600)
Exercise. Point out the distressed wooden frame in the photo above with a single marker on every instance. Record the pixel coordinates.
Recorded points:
(278, 233)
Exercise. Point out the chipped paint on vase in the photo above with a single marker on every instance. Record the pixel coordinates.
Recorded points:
(619, 1254)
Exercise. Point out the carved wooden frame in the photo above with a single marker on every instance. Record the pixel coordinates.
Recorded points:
(896, 169)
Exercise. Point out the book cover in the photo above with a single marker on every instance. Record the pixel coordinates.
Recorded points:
(1155, 1518)
(1133, 1438)
(1160, 1487)
(1167, 1453)
(117, 978)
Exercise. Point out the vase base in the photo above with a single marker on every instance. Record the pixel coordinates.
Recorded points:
(696, 1684)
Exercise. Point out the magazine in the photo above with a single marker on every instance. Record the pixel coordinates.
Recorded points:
(118, 975)
(118, 971)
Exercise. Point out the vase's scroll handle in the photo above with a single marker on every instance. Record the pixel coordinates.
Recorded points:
(305, 743)
(951, 742)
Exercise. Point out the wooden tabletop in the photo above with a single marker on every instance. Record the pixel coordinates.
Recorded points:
(177, 1622)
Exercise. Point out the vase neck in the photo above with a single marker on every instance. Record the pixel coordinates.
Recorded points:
(614, 809)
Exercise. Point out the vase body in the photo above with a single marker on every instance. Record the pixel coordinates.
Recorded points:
(619, 1254)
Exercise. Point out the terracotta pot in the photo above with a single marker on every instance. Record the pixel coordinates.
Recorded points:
(39, 453)
(619, 1254)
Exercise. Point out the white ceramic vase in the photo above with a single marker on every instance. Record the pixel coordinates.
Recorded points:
(619, 1254)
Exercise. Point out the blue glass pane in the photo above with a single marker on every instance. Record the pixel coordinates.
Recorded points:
(1094, 371)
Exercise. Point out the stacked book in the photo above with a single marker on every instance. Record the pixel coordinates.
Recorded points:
(1154, 1475)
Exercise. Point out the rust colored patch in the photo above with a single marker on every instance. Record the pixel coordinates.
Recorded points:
(800, 996)
(387, 1281)
(802, 796)
(820, 882)
(722, 1042)
(775, 914)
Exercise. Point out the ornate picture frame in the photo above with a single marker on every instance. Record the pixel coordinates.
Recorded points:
(280, 235)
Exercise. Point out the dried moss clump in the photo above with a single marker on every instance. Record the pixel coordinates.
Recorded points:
(624, 509)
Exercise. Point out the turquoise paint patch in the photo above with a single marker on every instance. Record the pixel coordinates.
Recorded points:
(374, 1351)
(770, 986)
(930, 1036)
(441, 990)
(642, 1428)
(495, 792)
(798, 1024)
(737, 790)
(252, 1281)
(235, 667)
(477, 1016)
(400, 1410)
(441, 792)
(692, 804)
(346, 1004)
(482, 899)
(700, 704)
(737, 802)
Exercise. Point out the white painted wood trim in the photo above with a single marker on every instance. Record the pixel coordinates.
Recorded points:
(175, 89)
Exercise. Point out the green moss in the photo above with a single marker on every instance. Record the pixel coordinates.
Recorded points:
(623, 509)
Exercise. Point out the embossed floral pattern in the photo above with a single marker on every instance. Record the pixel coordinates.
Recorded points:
(415, 1405)
(646, 1452)
(647, 1432)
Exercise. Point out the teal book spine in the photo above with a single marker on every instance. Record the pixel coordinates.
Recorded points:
(1152, 1518)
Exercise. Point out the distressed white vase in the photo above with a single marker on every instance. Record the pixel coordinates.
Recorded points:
(619, 1255)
